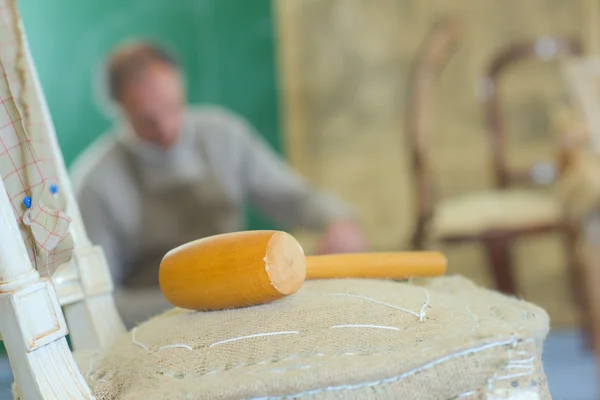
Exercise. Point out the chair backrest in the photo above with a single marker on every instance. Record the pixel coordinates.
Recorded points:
(545, 49)
(42, 232)
(32, 324)
(431, 58)
(31, 167)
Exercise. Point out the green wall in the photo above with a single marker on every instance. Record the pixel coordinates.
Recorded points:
(226, 46)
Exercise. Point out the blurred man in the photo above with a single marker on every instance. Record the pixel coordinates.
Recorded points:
(170, 173)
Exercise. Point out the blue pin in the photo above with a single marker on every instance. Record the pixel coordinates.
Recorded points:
(54, 190)
(27, 202)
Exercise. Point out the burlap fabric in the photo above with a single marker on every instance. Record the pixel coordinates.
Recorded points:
(27, 166)
(444, 338)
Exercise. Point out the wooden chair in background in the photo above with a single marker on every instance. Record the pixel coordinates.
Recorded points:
(495, 217)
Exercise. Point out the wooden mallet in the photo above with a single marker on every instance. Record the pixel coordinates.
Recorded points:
(255, 267)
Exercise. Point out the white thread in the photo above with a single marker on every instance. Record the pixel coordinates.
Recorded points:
(471, 393)
(502, 378)
(176, 375)
(519, 367)
(422, 312)
(366, 326)
(397, 377)
(177, 345)
(527, 361)
(143, 346)
(375, 301)
(254, 336)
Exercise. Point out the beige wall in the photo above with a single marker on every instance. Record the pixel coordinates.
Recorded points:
(344, 65)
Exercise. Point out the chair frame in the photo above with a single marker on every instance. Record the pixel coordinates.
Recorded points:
(33, 324)
(434, 53)
(84, 286)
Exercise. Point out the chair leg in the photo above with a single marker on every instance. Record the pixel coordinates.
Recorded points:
(579, 286)
(498, 251)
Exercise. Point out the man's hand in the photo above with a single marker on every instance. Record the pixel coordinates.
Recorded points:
(343, 236)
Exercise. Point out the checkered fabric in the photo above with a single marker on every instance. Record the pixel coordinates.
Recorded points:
(27, 166)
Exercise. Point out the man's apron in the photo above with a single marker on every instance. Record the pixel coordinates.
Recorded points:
(173, 216)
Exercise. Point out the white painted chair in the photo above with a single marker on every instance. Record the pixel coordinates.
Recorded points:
(84, 286)
(32, 323)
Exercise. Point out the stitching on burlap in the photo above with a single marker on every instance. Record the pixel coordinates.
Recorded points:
(519, 363)
(425, 305)
(254, 336)
(185, 346)
(467, 394)
(356, 296)
(421, 315)
(287, 369)
(397, 377)
(366, 326)
(134, 341)
(513, 376)
(176, 346)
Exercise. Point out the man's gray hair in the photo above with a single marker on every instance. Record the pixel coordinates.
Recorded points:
(128, 60)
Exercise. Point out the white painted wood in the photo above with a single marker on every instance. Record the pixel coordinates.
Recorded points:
(93, 271)
(88, 275)
(15, 266)
(67, 284)
(31, 322)
(41, 320)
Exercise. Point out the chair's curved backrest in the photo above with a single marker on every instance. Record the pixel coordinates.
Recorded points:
(545, 49)
(431, 58)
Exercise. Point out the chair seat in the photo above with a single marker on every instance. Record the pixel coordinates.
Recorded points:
(351, 339)
(480, 212)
